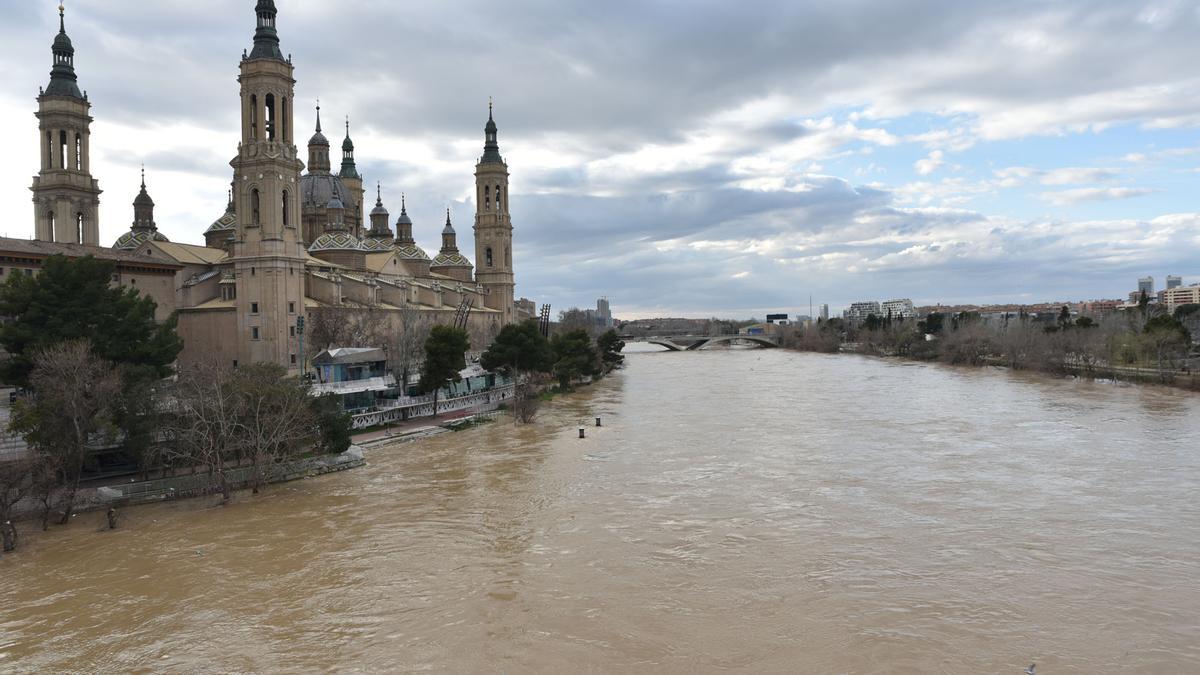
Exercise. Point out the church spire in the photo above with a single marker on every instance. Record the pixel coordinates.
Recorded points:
(266, 38)
(63, 81)
(491, 148)
(143, 207)
(349, 170)
(318, 148)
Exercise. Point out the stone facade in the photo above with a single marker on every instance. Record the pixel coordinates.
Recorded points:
(288, 242)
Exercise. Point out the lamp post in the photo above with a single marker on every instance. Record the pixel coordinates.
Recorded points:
(303, 355)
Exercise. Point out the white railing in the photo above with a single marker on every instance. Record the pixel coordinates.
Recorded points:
(422, 406)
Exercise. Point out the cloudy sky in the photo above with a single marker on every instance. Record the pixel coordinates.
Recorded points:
(690, 157)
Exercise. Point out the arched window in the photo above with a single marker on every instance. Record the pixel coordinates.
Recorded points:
(50, 219)
(498, 198)
(253, 117)
(283, 118)
(488, 256)
(79, 228)
(254, 213)
(285, 209)
(62, 150)
(49, 151)
(269, 116)
(78, 152)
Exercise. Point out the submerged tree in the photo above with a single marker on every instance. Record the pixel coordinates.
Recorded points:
(610, 345)
(71, 404)
(445, 356)
(523, 353)
(575, 357)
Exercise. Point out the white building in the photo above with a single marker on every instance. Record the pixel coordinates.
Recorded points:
(898, 309)
(859, 311)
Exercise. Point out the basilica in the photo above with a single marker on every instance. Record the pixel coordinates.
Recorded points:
(294, 237)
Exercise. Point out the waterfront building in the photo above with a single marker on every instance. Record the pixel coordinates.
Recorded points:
(1174, 281)
(859, 311)
(291, 238)
(898, 309)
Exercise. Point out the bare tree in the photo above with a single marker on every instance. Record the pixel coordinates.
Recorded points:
(275, 417)
(203, 425)
(73, 396)
(16, 481)
(406, 345)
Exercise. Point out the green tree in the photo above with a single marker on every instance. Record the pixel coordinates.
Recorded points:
(872, 323)
(73, 299)
(575, 357)
(610, 345)
(333, 424)
(1166, 341)
(519, 348)
(445, 351)
(932, 324)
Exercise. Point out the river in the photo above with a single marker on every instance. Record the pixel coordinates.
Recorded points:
(740, 510)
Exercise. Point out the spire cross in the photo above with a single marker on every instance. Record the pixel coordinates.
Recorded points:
(489, 107)
(318, 114)
(62, 26)
(347, 126)
(379, 193)
(143, 175)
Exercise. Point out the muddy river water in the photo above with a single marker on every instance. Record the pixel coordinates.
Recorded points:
(740, 510)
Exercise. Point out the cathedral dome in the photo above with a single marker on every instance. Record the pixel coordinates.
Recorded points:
(317, 189)
(410, 252)
(225, 222)
(335, 241)
(451, 259)
(135, 238)
(376, 244)
(318, 139)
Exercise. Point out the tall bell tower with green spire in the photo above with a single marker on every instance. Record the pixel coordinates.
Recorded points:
(268, 254)
(493, 226)
(65, 196)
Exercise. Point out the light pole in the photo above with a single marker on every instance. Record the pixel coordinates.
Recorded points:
(303, 355)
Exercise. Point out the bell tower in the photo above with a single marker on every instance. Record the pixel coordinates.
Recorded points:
(493, 226)
(66, 198)
(268, 256)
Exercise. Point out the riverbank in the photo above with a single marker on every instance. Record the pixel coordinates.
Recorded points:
(1188, 380)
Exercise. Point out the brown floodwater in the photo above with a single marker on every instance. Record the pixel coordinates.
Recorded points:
(740, 510)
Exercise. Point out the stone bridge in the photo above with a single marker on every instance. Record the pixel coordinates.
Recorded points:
(687, 343)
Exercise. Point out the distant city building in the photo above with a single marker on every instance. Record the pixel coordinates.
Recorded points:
(824, 312)
(1099, 307)
(1146, 285)
(525, 309)
(603, 314)
(859, 311)
(1174, 281)
(898, 309)
(1181, 295)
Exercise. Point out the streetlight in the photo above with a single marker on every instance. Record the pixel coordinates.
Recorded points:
(303, 356)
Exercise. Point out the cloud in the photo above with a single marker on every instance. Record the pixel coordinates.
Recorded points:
(1092, 194)
(651, 167)
(932, 163)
